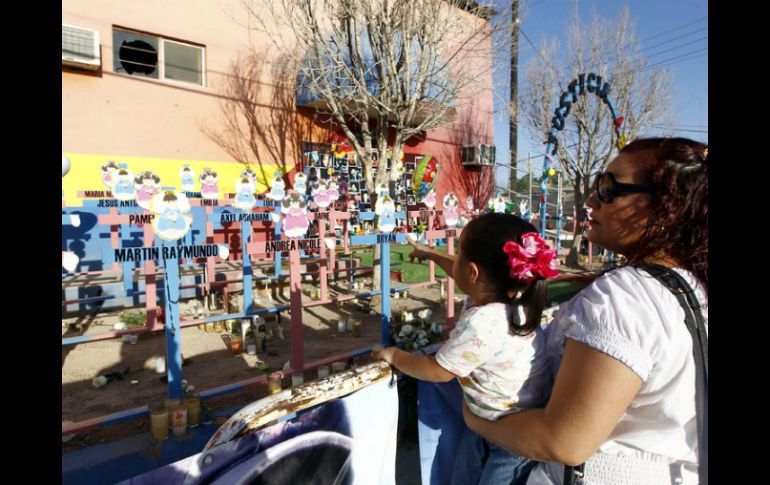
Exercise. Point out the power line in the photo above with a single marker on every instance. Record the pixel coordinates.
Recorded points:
(675, 38)
(677, 47)
(678, 57)
(674, 128)
(674, 29)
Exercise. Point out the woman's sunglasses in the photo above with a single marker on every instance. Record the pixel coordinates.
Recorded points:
(607, 188)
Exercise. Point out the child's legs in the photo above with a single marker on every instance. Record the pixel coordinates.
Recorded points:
(504, 467)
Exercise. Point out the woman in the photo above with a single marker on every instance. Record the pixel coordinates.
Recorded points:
(624, 396)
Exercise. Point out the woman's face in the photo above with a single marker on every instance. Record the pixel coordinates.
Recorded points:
(619, 224)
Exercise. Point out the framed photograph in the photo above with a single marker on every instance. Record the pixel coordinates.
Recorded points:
(355, 187)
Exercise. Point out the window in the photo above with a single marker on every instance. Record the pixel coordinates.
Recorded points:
(154, 57)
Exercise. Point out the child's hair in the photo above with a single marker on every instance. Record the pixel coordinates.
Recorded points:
(482, 243)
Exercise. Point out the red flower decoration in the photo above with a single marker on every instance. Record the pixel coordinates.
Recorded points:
(531, 258)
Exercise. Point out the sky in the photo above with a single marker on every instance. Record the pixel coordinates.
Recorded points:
(661, 25)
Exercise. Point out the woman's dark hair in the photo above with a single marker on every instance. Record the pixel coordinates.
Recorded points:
(678, 225)
(482, 243)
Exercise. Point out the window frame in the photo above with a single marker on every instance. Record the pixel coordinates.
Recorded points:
(162, 58)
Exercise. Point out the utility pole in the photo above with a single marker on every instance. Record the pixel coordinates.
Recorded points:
(514, 126)
(529, 163)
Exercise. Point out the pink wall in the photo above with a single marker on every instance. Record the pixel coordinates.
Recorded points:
(117, 114)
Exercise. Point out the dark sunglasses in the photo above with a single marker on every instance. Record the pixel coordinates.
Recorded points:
(607, 188)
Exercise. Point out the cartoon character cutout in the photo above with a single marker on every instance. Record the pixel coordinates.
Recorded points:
(187, 178)
(469, 203)
(277, 191)
(451, 204)
(300, 183)
(171, 221)
(109, 170)
(381, 189)
(321, 194)
(123, 188)
(248, 172)
(147, 184)
(523, 207)
(430, 199)
(385, 208)
(209, 187)
(244, 194)
(498, 204)
(334, 191)
(294, 214)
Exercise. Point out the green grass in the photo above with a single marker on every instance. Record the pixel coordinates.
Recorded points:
(413, 272)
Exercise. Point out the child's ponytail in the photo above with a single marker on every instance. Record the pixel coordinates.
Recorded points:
(533, 302)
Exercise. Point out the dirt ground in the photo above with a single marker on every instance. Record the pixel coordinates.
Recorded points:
(209, 363)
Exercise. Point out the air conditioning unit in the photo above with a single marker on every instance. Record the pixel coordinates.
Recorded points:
(80, 48)
(477, 155)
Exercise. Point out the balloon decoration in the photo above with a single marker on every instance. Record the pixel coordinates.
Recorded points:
(425, 175)
(172, 220)
(65, 165)
(591, 83)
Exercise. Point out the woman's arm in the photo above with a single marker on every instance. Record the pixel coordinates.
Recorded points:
(422, 367)
(421, 252)
(591, 393)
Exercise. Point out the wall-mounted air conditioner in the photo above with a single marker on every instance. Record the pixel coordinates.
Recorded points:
(477, 155)
(80, 48)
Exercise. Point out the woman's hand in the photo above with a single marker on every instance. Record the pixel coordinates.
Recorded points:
(386, 354)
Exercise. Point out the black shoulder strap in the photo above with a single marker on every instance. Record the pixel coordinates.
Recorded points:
(696, 325)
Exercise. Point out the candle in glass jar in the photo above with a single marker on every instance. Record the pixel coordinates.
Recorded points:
(159, 422)
(297, 380)
(338, 367)
(341, 325)
(236, 344)
(357, 328)
(323, 372)
(350, 324)
(219, 327)
(274, 382)
(177, 416)
(193, 405)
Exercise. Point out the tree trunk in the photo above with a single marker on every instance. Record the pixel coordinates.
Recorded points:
(577, 233)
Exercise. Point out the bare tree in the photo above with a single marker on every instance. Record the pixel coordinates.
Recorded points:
(381, 70)
(639, 93)
(478, 182)
(259, 124)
